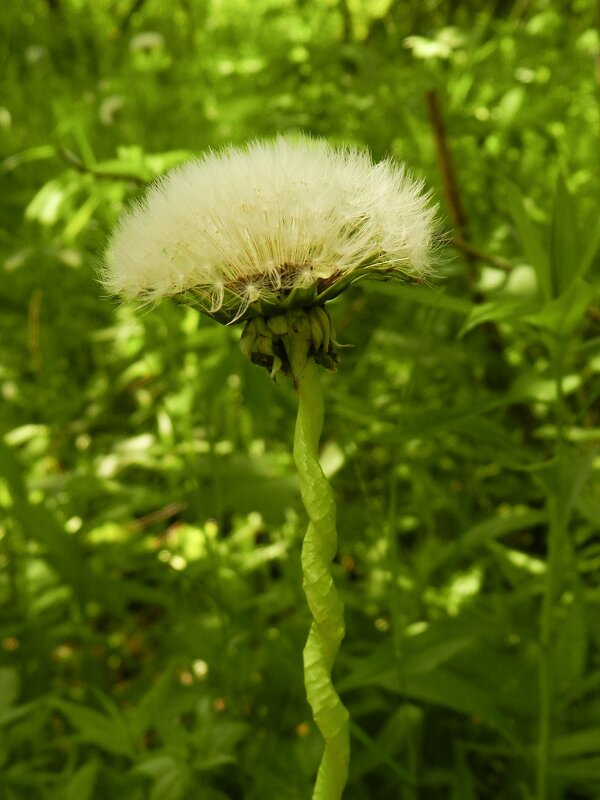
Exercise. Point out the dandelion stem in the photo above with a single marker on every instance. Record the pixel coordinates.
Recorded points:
(320, 544)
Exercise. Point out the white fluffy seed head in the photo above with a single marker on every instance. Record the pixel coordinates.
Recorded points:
(251, 225)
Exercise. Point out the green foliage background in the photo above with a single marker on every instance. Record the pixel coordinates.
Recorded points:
(152, 614)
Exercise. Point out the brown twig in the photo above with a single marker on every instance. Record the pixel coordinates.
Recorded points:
(33, 326)
(73, 161)
(486, 258)
(159, 515)
(456, 209)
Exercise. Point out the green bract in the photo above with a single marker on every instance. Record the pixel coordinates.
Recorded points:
(270, 342)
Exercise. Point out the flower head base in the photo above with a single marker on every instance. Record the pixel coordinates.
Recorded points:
(271, 227)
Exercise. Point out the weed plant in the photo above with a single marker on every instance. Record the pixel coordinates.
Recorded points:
(152, 612)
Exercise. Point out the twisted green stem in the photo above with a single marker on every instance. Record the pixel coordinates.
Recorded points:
(320, 543)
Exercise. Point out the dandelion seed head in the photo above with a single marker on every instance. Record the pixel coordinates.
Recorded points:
(241, 231)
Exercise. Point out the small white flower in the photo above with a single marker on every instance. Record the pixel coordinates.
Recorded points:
(110, 108)
(147, 40)
(270, 226)
(35, 53)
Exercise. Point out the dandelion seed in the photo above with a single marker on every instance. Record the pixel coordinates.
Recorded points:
(271, 226)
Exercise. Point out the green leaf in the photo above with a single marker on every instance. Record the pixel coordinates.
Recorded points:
(563, 315)
(64, 553)
(582, 769)
(17, 712)
(156, 765)
(9, 689)
(109, 733)
(450, 690)
(161, 162)
(424, 295)
(171, 785)
(463, 784)
(215, 742)
(569, 652)
(572, 245)
(153, 704)
(171, 776)
(578, 743)
(27, 156)
(82, 784)
(502, 310)
(533, 243)
(418, 653)
(381, 750)
(498, 526)
(565, 238)
(564, 479)
(48, 204)
(589, 250)
(415, 670)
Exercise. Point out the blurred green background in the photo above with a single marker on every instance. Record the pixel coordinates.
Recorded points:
(152, 616)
